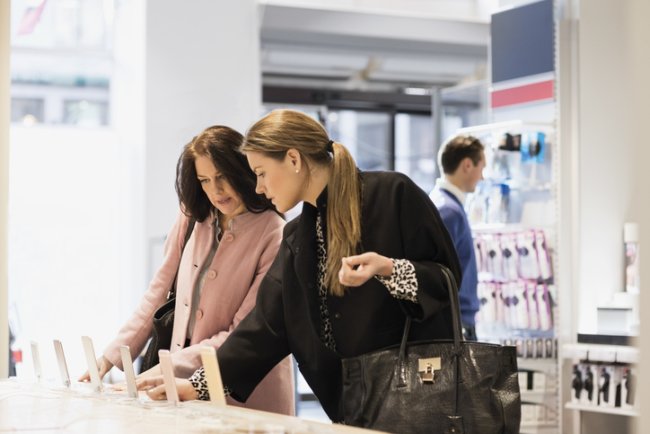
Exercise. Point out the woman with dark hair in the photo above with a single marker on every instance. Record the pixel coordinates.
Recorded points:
(233, 243)
(366, 252)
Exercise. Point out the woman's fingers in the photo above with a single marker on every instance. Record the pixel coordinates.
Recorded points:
(186, 391)
(354, 271)
(157, 393)
(147, 383)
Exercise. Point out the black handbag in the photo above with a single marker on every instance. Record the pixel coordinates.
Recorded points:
(441, 386)
(163, 319)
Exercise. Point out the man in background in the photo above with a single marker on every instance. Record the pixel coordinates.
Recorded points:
(462, 160)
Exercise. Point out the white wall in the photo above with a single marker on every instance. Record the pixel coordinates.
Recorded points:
(4, 181)
(639, 109)
(201, 70)
(607, 151)
(608, 170)
(173, 78)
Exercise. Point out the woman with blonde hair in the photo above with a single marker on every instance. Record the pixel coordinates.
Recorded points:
(364, 254)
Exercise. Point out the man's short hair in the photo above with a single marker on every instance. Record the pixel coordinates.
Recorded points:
(459, 148)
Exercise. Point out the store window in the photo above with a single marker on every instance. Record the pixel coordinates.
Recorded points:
(368, 136)
(27, 111)
(61, 61)
(415, 148)
(85, 113)
(42, 24)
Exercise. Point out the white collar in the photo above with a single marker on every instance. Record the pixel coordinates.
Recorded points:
(444, 183)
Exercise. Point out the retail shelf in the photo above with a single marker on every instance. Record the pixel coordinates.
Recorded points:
(547, 366)
(510, 227)
(601, 353)
(538, 428)
(606, 410)
(510, 126)
(538, 396)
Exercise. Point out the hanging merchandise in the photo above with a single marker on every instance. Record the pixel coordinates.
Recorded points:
(532, 148)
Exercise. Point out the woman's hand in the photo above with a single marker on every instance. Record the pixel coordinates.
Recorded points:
(103, 365)
(155, 388)
(357, 270)
(154, 371)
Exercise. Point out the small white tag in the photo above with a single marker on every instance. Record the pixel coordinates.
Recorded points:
(213, 375)
(91, 361)
(36, 358)
(129, 372)
(168, 376)
(63, 366)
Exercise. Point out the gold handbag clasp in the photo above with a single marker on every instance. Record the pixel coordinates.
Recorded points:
(426, 368)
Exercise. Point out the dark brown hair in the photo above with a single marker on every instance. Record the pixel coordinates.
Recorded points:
(459, 148)
(222, 144)
(281, 130)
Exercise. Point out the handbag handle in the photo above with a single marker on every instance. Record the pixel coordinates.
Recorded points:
(457, 328)
(452, 288)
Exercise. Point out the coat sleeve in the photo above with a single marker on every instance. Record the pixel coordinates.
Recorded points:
(187, 359)
(260, 341)
(137, 330)
(427, 245)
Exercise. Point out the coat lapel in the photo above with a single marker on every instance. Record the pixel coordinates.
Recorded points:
(303, 246)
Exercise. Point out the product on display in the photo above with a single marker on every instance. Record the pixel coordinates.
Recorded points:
(602, 384)
(631, 240)
(605, 380)
(509, 254)
(543, 256)
(589, 386)
(528, 264)
(577, 383)
(628, 387)
(533, 311)
(532, 147)
(544, 304)
(520, 302)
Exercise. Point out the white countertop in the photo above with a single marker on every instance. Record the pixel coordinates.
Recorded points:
(54, 409)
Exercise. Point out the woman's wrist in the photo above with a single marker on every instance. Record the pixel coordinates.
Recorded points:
(386, 268)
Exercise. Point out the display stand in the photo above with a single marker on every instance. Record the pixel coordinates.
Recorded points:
(37, 407)
(513, 219)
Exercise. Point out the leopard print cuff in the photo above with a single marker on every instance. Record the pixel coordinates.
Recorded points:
(402, 283)
(200, 384)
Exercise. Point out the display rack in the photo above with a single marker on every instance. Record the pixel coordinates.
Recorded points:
(513, 219)
(613, 356)
(615, 411)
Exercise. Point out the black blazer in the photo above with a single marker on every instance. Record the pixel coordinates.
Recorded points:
(398, 221)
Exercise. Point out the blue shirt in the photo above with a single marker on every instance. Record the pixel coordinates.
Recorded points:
(455, 220)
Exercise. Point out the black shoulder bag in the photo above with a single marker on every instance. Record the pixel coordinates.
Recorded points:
(434, 387)
(163, 318)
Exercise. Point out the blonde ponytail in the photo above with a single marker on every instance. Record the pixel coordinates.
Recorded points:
(343, 215)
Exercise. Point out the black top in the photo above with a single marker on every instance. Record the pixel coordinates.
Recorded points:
(398, 221)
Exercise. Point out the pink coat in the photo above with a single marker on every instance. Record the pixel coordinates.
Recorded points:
(245, 254)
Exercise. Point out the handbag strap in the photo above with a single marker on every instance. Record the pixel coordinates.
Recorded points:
(188, 234)
(457, 328)
(452, 288)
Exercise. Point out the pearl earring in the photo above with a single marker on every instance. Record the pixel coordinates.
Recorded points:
(297, 170)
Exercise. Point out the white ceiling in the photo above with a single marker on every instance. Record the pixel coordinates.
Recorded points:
(348, 44)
